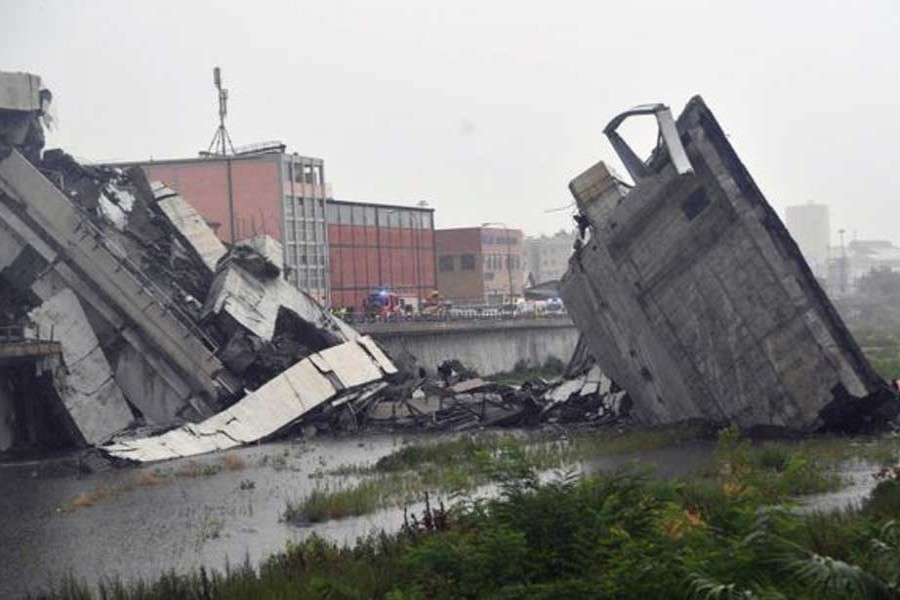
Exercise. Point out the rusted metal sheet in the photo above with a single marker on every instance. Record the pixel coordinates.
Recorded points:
(692, 295)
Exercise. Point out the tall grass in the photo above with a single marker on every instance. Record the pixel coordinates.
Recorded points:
(773, 471)
(619, 535)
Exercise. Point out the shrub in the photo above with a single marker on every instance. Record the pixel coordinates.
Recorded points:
(884, 502)
(554, 364)
(522, 366)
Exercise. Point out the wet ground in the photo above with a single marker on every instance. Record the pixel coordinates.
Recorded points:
(210, 514)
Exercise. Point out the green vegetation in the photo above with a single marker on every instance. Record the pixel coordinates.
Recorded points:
(882, 347)
(769, 472)
(325, 504)
(621, 535)
(451, 467)
(524, 371)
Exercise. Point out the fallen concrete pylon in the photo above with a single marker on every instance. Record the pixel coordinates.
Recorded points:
(693, 297)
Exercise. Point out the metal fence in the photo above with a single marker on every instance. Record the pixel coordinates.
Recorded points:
(462, 314)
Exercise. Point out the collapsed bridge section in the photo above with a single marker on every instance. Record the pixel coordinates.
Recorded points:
(692, 295)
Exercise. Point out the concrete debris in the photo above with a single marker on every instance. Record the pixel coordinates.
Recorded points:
(189, 225)
(691, 294)
(271, 408)
(83, 379)
(422, 403)
(160, 322)
(23, 103)
(262, 255)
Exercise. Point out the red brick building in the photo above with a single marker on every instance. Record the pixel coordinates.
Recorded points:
(337, 251)
(374, 246)
(477, 265)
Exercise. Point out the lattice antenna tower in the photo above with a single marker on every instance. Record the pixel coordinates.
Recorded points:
(221, 142)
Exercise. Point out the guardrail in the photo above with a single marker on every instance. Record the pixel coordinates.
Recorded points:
(460, 316)
(146, 285)
(16, 333)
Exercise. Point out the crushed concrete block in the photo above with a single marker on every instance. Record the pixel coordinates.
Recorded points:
(84, 380)
(693, 297)
(19, 91)
(254, 303)
(261, 255)
(191, 227)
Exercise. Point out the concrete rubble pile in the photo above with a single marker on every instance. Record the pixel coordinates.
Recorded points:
(158, 322)
(691, 294)
(460, 400)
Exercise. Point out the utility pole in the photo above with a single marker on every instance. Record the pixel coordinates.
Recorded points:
(220, 145)
(221, 140)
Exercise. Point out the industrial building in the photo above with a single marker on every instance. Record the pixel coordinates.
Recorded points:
(377, 246)
(334, 250)
(262, 191)
(478, 265)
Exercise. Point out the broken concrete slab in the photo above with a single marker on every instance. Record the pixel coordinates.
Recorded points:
(693, 297)
(191, 227)
(19, 102)
(261, 255)
(83, 380)
(20, 92)
(260, 414)
(255, 303)
(120, 283)
(149, 391)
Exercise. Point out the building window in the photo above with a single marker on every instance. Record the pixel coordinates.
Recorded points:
(358, 216)
(445, 263)
(467, 262)
(488, 276)
(370, 216)
(345, 214)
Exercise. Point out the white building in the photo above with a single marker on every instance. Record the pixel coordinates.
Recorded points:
(547, 257)
(810, 227)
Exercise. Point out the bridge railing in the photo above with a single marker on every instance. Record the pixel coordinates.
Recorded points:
(495, 314)
(20, 333)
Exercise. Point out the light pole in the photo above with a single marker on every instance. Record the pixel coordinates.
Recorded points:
(508, 255)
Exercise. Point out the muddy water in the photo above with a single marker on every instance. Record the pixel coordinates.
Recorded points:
(178, 523)
(142, 527)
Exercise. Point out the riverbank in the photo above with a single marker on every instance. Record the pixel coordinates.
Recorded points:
(684, 522)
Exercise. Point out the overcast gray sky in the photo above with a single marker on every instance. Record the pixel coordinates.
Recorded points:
(483, 109)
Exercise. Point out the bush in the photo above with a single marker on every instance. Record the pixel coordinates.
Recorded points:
(554, 364)
(884, 501)
(522, 366)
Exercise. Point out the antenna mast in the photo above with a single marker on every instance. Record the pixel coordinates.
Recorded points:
(221, 141)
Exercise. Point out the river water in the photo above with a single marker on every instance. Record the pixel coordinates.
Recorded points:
(184, 522)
